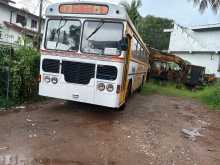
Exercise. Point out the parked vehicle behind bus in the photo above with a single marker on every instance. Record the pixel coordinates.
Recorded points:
(91, 53)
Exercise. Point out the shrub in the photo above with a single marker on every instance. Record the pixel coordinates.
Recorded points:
(23, 64)
(212, 98)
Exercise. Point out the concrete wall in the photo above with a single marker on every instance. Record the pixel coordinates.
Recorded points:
(210, 61)
(29, 19)
(4, 14)
(10, 35)
(7, 36)
(184, 39)
(197, 41)
(193, 41)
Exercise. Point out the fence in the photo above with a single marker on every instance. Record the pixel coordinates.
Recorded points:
(19, 69)
(5, 82)
(6, 52)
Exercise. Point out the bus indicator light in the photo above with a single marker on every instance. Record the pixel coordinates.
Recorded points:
(83, 9)
(118, 89)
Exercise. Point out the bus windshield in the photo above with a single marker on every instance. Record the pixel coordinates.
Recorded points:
(103, 38)
(63, 35)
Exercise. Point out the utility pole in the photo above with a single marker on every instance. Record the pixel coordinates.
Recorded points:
(39, 25)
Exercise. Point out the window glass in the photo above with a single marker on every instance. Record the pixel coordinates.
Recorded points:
(63, 35)
(33, 23)
(21, 19)
(103, 38)
(139, 50)
(142, 52)
(134, 47)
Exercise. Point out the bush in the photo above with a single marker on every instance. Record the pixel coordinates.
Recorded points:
(212, 98)
(6, 103)
(23, 64)
(24, 73)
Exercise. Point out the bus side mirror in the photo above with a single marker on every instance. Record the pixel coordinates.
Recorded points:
(124, 44)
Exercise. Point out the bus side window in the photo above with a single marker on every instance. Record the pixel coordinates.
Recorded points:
(139, 51)
(142, 52)
(134, 47)
(145, 56)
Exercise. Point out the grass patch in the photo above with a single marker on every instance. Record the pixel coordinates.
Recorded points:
(10, 103)
(6, 103)
(209, 95)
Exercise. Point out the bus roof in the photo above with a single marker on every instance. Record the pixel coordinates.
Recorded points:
(114, 11)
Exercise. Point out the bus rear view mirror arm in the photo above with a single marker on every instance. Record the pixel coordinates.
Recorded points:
(124, 44)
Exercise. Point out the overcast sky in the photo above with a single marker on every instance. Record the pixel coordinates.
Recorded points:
(182, 11)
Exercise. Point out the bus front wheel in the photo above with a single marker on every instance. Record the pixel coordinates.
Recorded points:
(128, 94)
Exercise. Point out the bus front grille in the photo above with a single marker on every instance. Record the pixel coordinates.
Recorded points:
(77, 72)
(105, 72)
(50, 65)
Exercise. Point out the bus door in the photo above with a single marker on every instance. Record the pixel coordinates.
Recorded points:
(125, 72)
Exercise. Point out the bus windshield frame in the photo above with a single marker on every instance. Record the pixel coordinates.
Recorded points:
(114, 47)
(99, 27)
(72, 38)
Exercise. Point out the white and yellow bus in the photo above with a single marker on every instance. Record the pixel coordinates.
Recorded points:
(91, 53)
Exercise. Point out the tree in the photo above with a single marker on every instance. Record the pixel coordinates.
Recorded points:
(150, 27)
(152, 31)
(203, 4)
(132, 10)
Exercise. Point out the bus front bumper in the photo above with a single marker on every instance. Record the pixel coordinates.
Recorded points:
(80, 93)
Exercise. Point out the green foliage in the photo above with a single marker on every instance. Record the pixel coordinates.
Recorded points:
(132, 10)
(209, 95)
(203, 4)
(24, 73)
(6, 103)
(212, 97)
(151, 30)
(23, 64)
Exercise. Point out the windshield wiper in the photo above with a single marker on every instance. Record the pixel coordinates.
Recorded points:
(96, 30)
(58, 31)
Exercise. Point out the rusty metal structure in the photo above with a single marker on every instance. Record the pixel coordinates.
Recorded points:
(168, 67)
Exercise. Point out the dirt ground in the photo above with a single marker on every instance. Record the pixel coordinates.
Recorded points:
(148, 132)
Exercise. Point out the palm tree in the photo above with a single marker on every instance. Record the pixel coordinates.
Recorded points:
(132, 10)
(203, 4)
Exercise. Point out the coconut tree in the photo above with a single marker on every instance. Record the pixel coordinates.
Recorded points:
(203, 4)
(132, 9)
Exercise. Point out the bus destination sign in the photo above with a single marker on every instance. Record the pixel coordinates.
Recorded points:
(83, 9)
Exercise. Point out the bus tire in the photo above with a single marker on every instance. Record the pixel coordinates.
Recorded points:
(122, 108)
(128, 95)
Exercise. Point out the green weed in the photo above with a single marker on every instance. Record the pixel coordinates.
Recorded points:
(209, 95)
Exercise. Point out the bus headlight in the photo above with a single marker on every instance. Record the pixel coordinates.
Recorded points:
(54, 80)
(110, 88)
(47, 79)
(101, 86)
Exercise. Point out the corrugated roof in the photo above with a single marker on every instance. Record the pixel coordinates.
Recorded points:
(207, 27)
